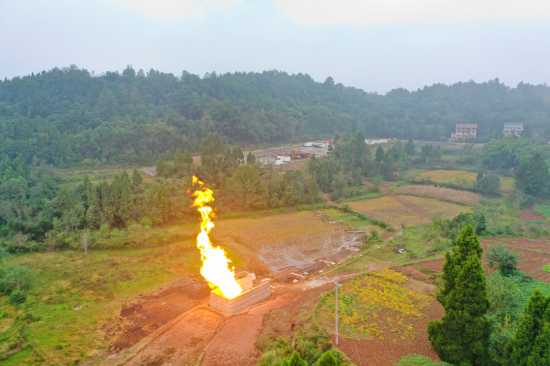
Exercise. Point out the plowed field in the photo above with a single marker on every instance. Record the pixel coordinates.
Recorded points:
(388, 209)
(289, 240)
(535, 255)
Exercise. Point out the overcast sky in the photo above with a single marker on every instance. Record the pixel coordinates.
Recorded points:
(376, 45)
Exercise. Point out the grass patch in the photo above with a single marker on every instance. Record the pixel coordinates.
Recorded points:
(529, 287)
(363, 197)
(545, 210)
(413, 239)
(99, 282)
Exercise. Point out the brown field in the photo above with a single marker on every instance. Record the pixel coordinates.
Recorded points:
(447, 193)
(288, 240)
(448, 209)
(450, 176)
(388, 209)
(535, 255)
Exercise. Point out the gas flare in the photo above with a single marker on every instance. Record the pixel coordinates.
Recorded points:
(215, 264)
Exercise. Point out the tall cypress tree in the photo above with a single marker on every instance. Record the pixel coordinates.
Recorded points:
(461, 337)
(531, 344)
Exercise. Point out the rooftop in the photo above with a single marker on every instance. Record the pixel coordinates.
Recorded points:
(513, 124)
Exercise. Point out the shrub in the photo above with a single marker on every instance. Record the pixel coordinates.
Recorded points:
(502, 258)
(17, 297)
(16, 277)
(419, 360)
(374, 234)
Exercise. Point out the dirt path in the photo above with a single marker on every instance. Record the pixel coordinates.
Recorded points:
(419, 210)
(386, 190)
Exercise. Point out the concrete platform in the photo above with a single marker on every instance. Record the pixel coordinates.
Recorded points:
(241, 302)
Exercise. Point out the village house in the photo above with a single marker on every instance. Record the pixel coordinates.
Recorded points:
(464, 131)
(513, 128)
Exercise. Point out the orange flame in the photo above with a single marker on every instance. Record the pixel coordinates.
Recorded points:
(215, 264)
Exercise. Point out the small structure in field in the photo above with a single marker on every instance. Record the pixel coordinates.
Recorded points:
(464, 132)
(250, 296)
(513, 128)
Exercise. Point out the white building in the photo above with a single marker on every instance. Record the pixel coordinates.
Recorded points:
(513, 128)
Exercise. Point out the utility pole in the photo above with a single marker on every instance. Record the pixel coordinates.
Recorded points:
(335, 281)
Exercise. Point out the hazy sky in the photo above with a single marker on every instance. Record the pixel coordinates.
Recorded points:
(375, 45)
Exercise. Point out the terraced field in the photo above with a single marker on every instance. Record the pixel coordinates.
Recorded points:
(292, 239)
(449, 176)
(388, 209)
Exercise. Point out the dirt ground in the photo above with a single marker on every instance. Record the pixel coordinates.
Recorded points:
(413, 272)
(141, 317)
(535, 255)
(529, 215)
(378, 352)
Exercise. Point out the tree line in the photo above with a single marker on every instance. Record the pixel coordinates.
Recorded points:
(66, 116)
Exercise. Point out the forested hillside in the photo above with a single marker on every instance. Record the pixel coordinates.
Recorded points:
(65, 116)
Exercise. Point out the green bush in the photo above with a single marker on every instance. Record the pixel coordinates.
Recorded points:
(17, 297)
(502, 258)
(419, 360)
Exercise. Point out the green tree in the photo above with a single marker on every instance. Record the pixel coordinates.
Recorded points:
(531, 344)
(410, 148)
(502, 258)
(532, 177)
(65, 200)
(251, 158)
(16, 277)
(137, 179)
(505, 296)
(461, 337)
(479, 175)
(488, 184)
(379, 156)
(294, 360)
(327, 359)
(160, 167)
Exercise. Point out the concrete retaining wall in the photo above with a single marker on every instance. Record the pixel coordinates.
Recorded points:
(241, 302)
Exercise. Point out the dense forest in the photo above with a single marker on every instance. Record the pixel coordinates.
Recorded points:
(66, 116)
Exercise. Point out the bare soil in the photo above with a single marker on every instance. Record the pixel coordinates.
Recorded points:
(412, 272)
(535, 255)
(141, 317)
(529, 215)
(378, 352)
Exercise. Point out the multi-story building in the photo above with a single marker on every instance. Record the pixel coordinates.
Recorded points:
(513, 128)
(464, 131)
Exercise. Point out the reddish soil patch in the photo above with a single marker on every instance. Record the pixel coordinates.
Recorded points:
(378, 352)
(535, 255)
(436, 265)
(528, 215)
(234, 344)
(142, 317)
(411, 271)
(183, 342)
(387, 235)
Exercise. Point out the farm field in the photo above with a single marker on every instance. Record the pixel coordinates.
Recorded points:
(440, 192)
(388, 209)
(292, 239)
(449, 176)
(383, 316)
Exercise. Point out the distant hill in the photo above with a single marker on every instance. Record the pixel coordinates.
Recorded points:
(64, 116)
